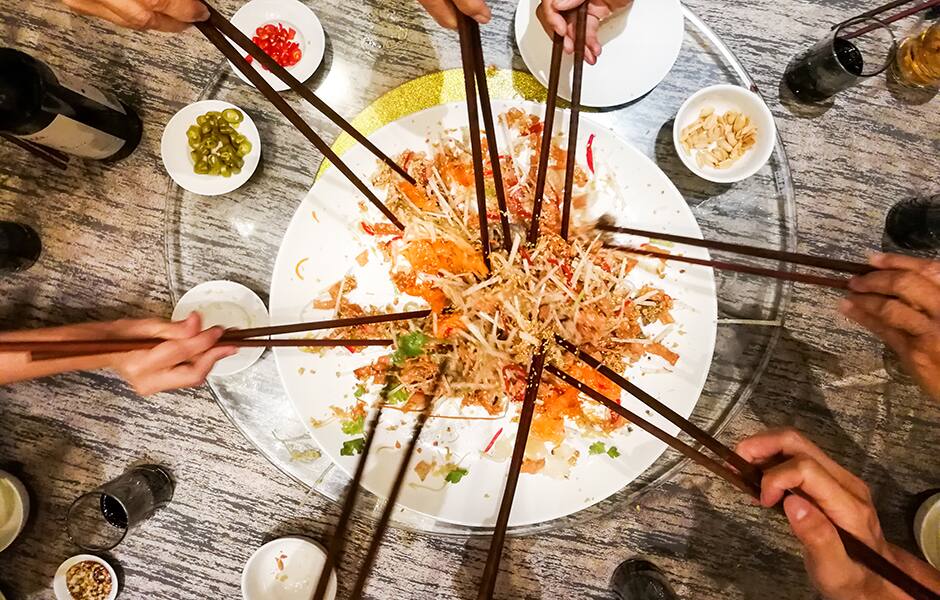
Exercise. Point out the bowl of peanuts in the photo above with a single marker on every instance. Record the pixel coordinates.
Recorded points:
(724, 133)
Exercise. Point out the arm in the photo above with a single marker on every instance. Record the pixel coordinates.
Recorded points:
(159, 15)
(793, 462)
(900, 303)
(184, 360)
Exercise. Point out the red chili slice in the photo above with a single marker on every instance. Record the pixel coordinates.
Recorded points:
(590, 152)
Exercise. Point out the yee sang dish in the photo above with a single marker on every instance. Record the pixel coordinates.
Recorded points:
(491, 323)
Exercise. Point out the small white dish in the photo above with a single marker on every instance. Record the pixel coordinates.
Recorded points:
(290, 13)
(287, 568)
(60, 586)
(174, 148)
(14, 509)
(927, 529)
(723, 98)
(228, 304)
(640, 46)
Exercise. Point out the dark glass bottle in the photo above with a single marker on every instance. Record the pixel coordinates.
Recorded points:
(915, 223)
(62, 112)
(19, 247)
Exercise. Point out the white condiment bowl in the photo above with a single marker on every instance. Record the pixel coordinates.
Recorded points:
(18, 511)
(723, 98)
(228, 304)
(927, 529)
(60, 587)
(174, 149)
(294, 577)
(290, 13)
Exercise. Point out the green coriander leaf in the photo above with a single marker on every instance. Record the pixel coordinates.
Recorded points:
(613, 452)
(360, 390)
(597, 448)
(353, 426)
(455, 475)
(353, 446)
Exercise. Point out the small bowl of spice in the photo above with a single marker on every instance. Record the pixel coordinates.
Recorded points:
(85, 577)
(724, 133)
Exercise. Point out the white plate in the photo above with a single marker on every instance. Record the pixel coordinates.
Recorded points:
(723, 98)
(319, 249)
(13, 517)
(290, 13)
(228, 304)
(640, 45)
(927, 529)
(174, 148)
(294, 577)
(60, 587)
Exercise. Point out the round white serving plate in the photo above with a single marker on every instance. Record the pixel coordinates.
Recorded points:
(290, 13)
(230, 305)
(640, 46)
(320, 247)
(174, 149)
(287, 568)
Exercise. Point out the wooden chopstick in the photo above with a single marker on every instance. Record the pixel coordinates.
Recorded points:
(219, 41)
(533, 379)
(489, 125)
(237, 334)
(468, 58)
(831, 282)
(887, 21)
(237, 36)
(50, 155)
(797, 258)
(338, 541)
(554, 74)
(47, 350)
(871, 13)
(575, 117)
(750, 472)
(403, 466)
(857, 549)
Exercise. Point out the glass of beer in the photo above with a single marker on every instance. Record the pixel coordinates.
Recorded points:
(918, 58)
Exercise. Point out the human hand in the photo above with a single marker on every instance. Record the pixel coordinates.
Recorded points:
(558, 16)
(159, 15)
(184, 360)
(445, 11)
(900, 303)
(840, 497)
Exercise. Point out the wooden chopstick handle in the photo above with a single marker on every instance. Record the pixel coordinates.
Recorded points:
(855, 548)
(809, 260)
(237, 36)
(831, 282)
(219, 41)
(145, 345)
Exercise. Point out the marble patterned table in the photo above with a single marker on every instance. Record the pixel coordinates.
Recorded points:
(103, 230)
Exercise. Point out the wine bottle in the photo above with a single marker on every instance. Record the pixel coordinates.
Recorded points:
(19, 247)
(915, 223)
(63, 112)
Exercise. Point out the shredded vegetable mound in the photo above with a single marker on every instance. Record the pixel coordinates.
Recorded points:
(490, 321)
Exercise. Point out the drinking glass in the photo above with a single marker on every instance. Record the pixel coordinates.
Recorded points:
(100, 519)
(19, 247)
(841, 59)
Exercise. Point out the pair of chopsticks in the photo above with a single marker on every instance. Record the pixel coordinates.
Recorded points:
(739, 472)
(554, 75)
(239, 338)
(913, 10)
(57, 159)
(337, 542)
(474, 77)
(796, 258)
(217, 28)
(731, 467)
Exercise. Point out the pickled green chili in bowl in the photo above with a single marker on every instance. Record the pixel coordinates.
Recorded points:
(215, 145)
